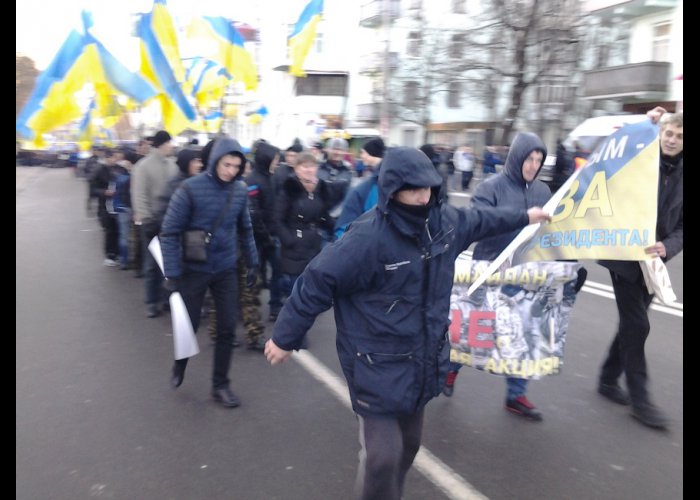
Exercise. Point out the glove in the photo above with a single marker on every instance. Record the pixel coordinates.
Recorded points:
(172, 284)
(251, 278)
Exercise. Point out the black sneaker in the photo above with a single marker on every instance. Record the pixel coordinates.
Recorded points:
(521, 406)
(614, 393)
(650, 415)
(226, 397)
(153, 311)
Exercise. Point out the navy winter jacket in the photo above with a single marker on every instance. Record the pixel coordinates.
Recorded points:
(509, 189)
(196, 204)
(389, 280)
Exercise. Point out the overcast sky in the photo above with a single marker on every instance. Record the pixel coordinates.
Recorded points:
(42, 26)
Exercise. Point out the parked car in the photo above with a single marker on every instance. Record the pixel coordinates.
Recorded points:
(587, 136)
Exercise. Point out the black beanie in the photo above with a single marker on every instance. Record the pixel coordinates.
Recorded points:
(161, 138)
(375, 147)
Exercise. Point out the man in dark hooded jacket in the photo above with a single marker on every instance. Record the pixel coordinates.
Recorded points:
(389, 279)
(261, 198)
(197, 204)
(517, 187)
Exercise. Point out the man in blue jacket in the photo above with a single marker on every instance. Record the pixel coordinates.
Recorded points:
(389, 279)
(218, 192)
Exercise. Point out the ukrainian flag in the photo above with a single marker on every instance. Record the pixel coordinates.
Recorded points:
(161, 65)
(229, 49)
(258, 115)
(210, 122)
(85, 132)
(81, 60)
(302, 37)
(206, 81)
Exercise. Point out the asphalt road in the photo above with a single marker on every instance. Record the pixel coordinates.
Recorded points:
(95, 417)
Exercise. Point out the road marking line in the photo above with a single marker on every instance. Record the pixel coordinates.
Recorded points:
(603, 290)
(438, 473)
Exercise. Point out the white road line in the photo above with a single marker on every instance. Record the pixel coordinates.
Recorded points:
(441, 475)
(603, 290)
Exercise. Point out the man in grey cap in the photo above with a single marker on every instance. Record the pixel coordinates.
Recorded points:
(150, 175)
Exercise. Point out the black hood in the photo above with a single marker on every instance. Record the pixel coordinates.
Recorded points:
(221, 147)
(404, 165)
(264, 154)
(523, 144)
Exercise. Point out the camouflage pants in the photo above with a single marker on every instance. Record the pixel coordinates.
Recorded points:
(249, 300)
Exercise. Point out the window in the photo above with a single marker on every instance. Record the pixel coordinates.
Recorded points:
(416, 4)
(413, 47)
(333, 85)
(457, 46)
(662, 36)
(459, 7)
(410, 94)
(453, 96)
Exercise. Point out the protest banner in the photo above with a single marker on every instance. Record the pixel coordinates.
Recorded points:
(515, 323)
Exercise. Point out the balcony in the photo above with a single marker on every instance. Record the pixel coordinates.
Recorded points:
(373, 63)
(644, 81)
(371, 12)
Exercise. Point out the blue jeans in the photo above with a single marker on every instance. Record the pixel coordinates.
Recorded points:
(514, 386)
(286, 282)
(124, 219)
(152, 275)
(224, 291)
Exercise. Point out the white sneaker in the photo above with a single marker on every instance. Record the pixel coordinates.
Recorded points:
(110, 263)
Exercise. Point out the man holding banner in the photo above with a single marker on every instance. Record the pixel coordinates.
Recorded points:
(626, 352)
(516, 186)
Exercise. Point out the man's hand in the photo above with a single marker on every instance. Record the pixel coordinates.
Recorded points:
(274, 354)
(657, 250)
(251, 278)
(172, 284)
(656, 114)
(536, 214)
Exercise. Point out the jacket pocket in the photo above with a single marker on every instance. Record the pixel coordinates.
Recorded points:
(386, 383)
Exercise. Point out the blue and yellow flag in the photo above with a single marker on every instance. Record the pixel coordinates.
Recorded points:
(228, 48)
(210, 122)
(302, 37)
(607, 209)
(257, 116)
(85, 131)
(161, 65)
(81, 60)
(206, 81)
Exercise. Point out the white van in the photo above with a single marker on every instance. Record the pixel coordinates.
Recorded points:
(589, 134)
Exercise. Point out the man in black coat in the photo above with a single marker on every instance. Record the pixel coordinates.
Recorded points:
(626, 353)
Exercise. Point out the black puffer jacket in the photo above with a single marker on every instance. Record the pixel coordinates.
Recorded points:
(509, 189)
(389, 279)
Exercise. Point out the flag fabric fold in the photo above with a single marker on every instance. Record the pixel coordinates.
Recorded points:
(227, 48)
(162, 67)
(302, 37)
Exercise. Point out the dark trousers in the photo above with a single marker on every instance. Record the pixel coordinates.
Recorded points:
(271, 255)
(626, 352)
(224, 290)
(466, 179)
(153, 277)
(389, 446)
(111, 228)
